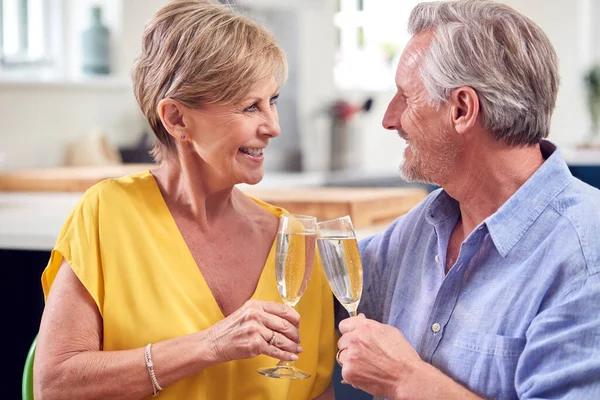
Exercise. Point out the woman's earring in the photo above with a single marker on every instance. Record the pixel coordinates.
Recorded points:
(183, 137)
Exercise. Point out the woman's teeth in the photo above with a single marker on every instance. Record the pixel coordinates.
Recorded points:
(253, 152)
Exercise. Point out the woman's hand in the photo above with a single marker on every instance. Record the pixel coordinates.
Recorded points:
(257, 328)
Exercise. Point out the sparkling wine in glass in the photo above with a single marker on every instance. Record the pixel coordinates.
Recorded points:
(341, 262)
(294, 259)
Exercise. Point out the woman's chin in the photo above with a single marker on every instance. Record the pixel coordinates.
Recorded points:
(253, 179)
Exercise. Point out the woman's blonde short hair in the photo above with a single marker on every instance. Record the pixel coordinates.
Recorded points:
(201, 52)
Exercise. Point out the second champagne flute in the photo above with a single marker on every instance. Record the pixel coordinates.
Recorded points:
(341, 262)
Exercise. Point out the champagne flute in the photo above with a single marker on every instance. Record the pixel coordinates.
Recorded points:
(341, 262)
(338, 249)
(295, 256)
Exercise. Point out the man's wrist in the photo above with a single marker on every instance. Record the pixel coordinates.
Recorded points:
(403, 386)
(426, 382)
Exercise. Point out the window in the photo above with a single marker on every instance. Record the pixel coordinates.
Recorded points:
(371, 36)
(29, 34)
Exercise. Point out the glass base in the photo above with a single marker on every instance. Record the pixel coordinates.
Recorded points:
(284, 372)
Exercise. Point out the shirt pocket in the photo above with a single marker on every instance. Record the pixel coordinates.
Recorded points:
(488, 363)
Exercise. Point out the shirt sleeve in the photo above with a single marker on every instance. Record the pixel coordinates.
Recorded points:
(376, 255)
(561, 358)
(379, 256)
(79, 244)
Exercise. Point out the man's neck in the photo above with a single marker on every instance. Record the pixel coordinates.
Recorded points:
(488, 177)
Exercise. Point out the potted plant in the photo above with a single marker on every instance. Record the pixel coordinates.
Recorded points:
(592, 85)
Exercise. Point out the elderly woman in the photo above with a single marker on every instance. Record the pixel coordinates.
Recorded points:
(164, 281)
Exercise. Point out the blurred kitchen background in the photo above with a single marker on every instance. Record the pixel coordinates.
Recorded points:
(56, 110)
(66, 100)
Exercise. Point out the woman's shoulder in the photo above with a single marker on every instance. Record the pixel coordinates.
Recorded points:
(139, 185)
(272, 209)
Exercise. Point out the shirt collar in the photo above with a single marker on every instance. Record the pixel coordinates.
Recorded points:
(508, 225)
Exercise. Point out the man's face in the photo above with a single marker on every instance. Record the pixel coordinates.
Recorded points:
(430, 152)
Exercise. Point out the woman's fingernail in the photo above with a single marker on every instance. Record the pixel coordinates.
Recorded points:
(294, 357)
(300, 349)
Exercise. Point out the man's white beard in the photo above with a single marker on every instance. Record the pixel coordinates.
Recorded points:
(412, 174)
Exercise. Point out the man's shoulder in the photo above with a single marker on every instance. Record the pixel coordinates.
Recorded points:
(414, 220)
(579, 207)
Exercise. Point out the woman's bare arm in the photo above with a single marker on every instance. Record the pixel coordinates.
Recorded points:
(69, 363)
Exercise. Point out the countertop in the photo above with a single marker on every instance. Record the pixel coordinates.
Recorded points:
(35, 203)
(31, 221)
(77, 179)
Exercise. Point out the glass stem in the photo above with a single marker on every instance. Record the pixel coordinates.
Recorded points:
(285, 364)
(352, 313)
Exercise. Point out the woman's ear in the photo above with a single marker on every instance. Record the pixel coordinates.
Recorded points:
(464, 108)
(172, 115)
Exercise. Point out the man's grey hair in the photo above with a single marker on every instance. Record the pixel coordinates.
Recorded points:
(503, 55)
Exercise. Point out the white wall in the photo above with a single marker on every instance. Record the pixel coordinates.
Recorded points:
(40, 119)
(568, 24)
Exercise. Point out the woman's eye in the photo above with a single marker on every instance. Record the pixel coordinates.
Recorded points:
(252, 108)
(274, 100)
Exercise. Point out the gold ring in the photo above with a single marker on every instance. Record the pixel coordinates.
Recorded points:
(337, 356)
(273, 339)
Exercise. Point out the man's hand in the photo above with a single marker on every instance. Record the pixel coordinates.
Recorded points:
(375, 357)
(378, 359)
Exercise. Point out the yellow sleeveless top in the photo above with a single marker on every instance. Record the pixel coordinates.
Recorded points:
(124, 246)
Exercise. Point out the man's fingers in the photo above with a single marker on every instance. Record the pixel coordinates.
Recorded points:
(349, 324)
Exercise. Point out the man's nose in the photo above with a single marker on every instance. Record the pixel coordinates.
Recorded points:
(391, 118)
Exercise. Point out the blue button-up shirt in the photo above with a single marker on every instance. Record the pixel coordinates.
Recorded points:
(518, 316)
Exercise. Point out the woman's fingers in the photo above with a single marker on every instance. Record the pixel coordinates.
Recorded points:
(280, 341)
(279, 354)
(280, 310)
(283, 326)
(260, 328)
(274, 316)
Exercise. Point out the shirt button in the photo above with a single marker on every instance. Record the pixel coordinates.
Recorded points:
(436, 327)
(437, 259)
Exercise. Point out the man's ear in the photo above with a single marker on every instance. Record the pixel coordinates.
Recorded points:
(173, 117)
(464, 108)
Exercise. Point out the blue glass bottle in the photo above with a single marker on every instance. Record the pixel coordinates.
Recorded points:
(96, 46)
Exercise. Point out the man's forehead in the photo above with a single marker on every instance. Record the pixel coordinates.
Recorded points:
(411, 56)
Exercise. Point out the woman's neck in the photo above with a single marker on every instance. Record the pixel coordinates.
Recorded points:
(188, 187)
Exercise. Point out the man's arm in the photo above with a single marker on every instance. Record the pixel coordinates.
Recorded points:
(378, 359)
(561, 358)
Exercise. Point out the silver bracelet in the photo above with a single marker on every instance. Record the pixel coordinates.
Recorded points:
(155, 386)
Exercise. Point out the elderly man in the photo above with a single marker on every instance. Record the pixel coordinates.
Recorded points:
(491, 286)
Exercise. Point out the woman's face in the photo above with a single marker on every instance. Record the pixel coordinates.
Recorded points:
(230, 139)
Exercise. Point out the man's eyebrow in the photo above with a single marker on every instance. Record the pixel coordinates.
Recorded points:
(401, 89)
